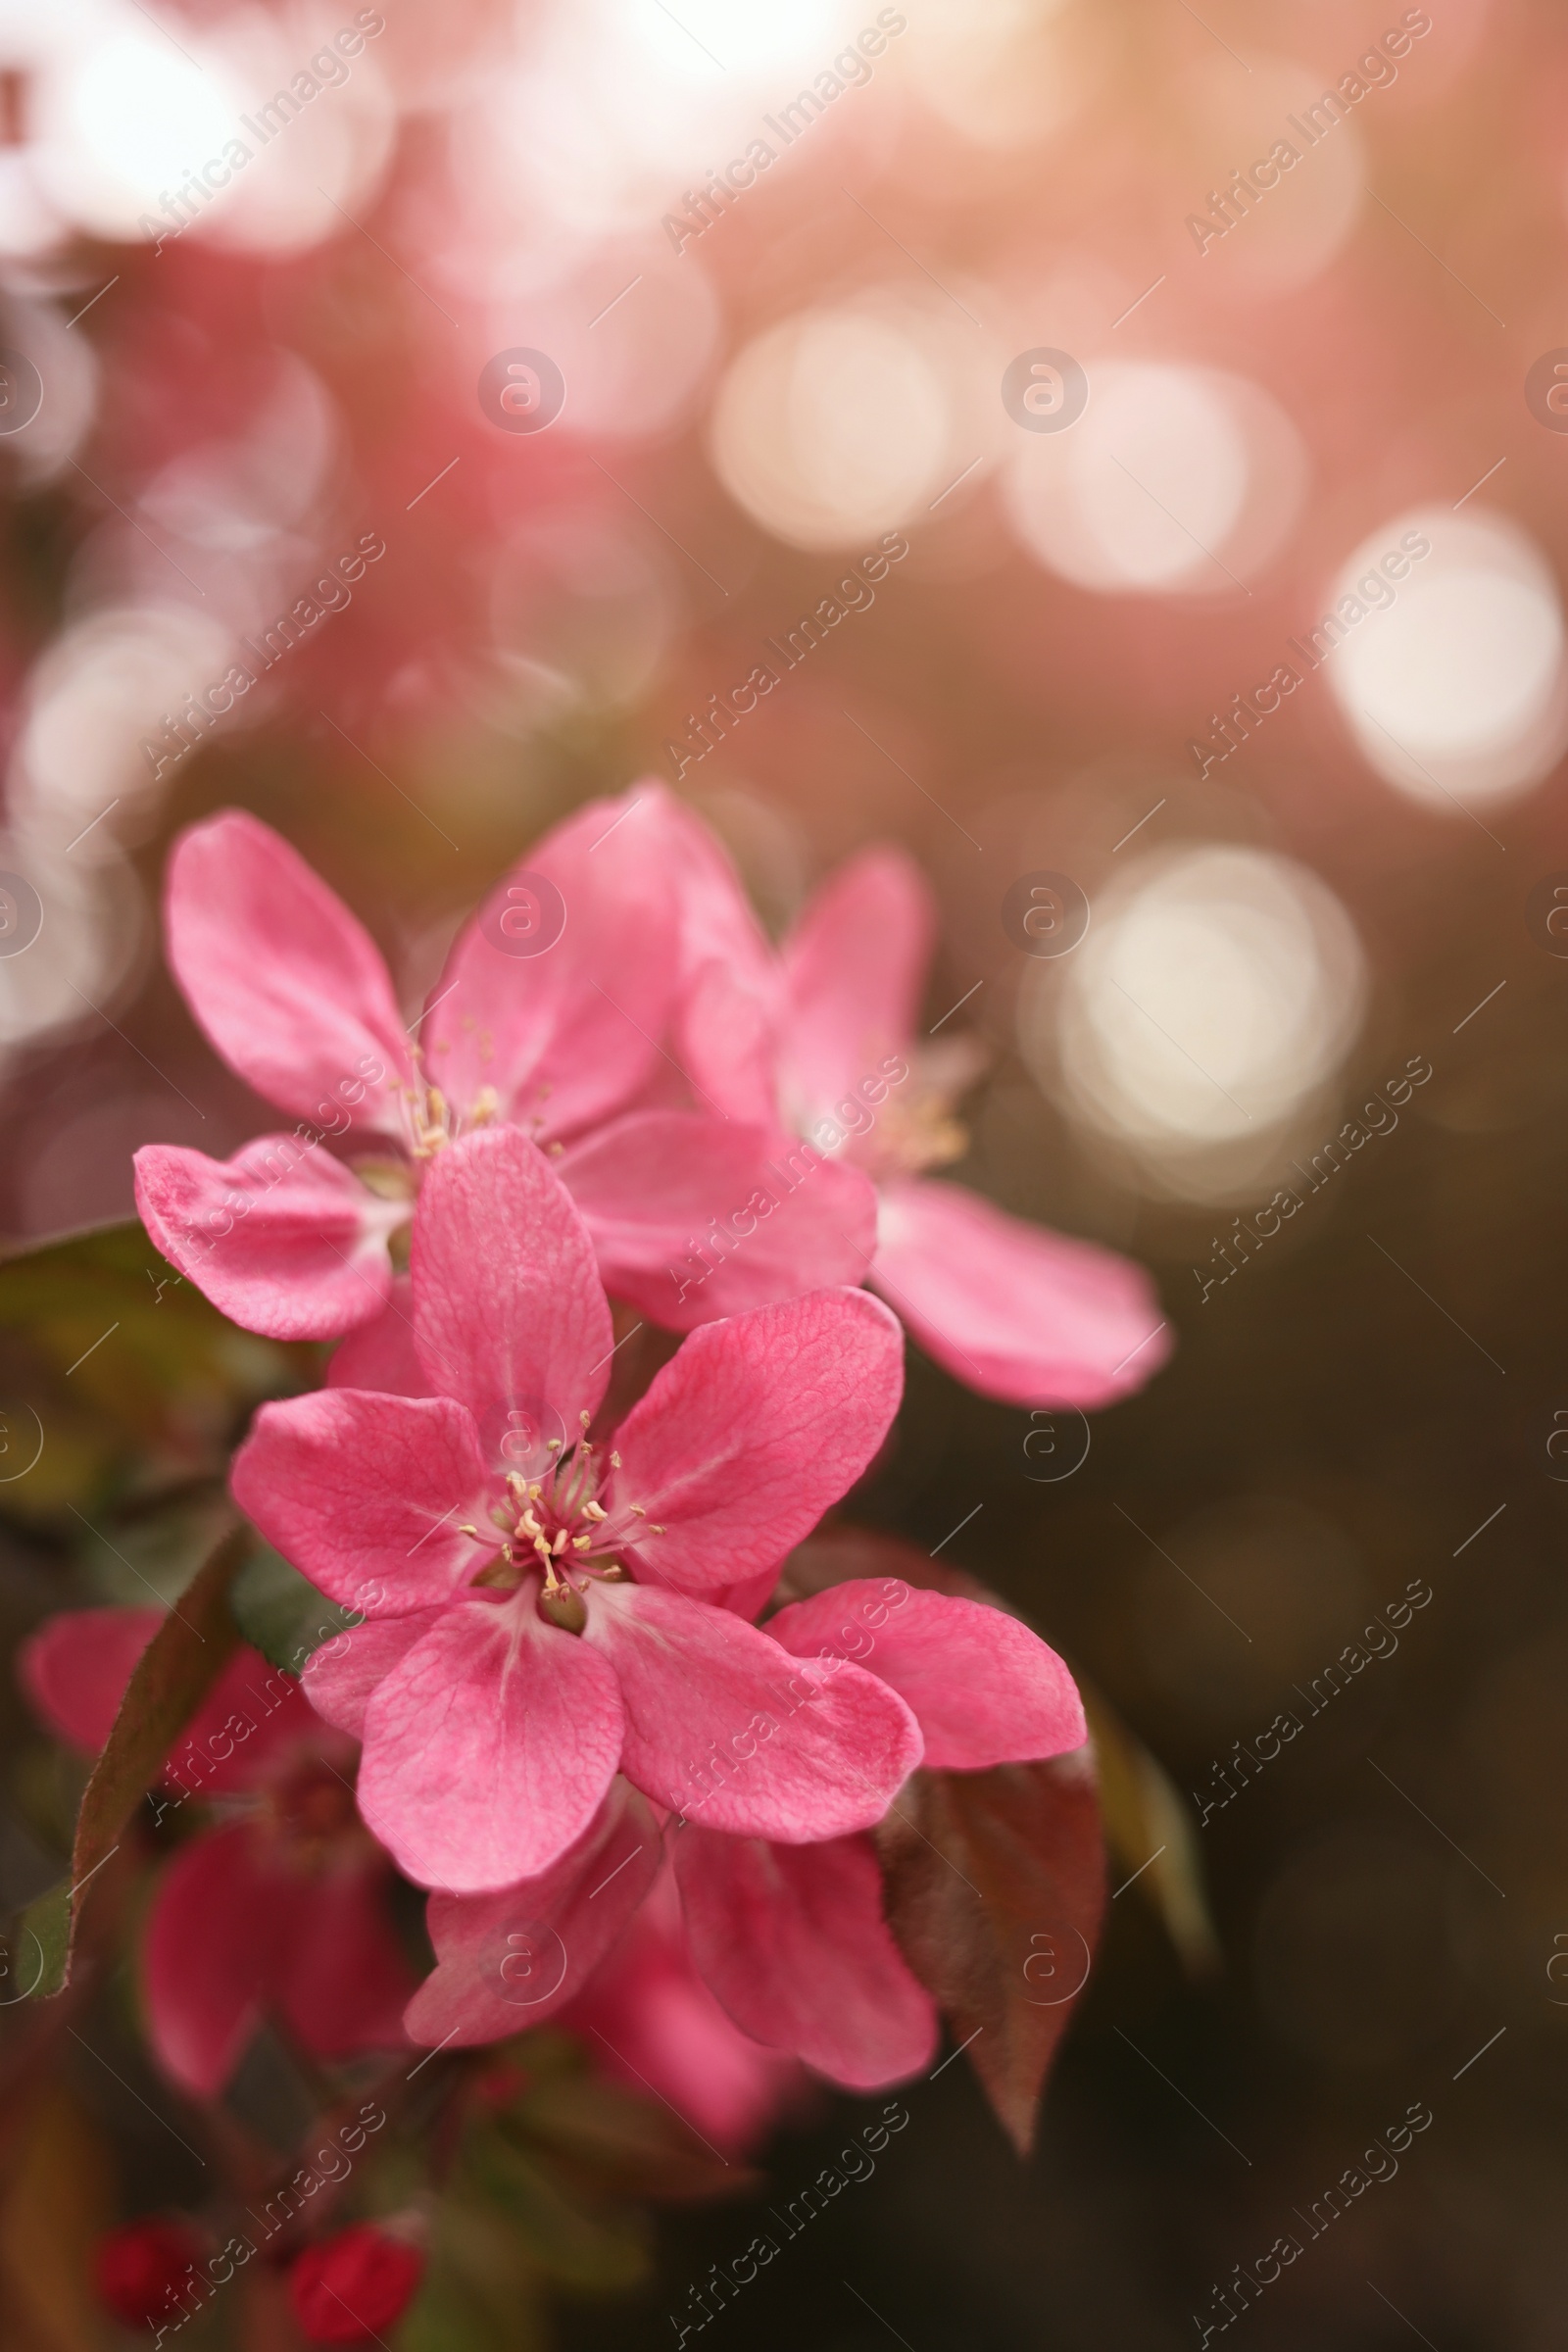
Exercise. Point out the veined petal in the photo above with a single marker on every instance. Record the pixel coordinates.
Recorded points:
(983, 1688)
(1011, 1310)
(367, 1495)
(509, 1310)
(286, 983)
(281, 1239)
(723, 1726)
(488, 1747)
(793, 1941)
(342, 1676)
(509, 1960)
(566, 1038)
(752, 1430)
(693, 1218)
(854, 966)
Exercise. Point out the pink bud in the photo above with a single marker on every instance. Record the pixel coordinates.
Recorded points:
(355, 2285)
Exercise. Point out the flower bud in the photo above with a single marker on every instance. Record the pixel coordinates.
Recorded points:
(346, 2288)
(140, 2270)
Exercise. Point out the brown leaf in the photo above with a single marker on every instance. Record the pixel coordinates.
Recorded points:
(995, 1889)
(173, 1676)
(1149, 1828)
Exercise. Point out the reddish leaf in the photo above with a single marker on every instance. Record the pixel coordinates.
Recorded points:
(172, 1676)
(996, 1887)
(839, 1551)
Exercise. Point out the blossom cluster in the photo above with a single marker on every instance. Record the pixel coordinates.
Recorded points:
(567, 1702)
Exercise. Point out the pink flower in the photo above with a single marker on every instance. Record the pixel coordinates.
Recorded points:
(827, 1033)
(651, 2024)
(293, 993)
(280, 1907)
(544, 1610)
(790, 1938)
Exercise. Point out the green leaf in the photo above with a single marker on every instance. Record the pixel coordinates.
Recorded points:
(46, 1926)
(480, 2293)
(627, 2144)
(579, 2239)
(281, 1612)
(172, 1678)
(152, 1550)
(1145, 1815)
(110, 1360)
(995, 1889)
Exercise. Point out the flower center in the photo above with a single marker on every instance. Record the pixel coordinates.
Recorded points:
(309, 1811)
(921, 1133)
(431, 1119)
(558, 1525)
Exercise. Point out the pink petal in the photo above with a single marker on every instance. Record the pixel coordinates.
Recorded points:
(1011, 1310)
(487, 1749)
(509, 1960)
(254, 1716)
(747, 1598)
(216, 1938)
(288, 986)
(509, 1310)
(752, 1430)
(344, 1982)
(566, 1038)
(342, 1676)
(795, 1943)
(381, 1353)
(74, 1668)
(653, 2025)
(692, 1217)
(983, 1688)
(727, 1017)
(367, 1495)
(854, 966)
(722, 1724)
(282, 1240)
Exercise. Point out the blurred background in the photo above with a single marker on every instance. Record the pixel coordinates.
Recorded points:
(1224, 426)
